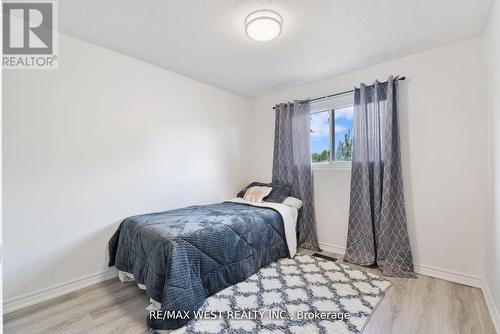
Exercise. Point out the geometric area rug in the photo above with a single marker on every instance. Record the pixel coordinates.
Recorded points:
(300, 295)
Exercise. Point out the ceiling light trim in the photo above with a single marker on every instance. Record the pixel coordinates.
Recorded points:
(263, 14)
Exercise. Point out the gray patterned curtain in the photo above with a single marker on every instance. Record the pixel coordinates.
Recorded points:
(377, 230)
(292, 164)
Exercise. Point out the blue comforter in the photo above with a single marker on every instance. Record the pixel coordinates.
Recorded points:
(185, 255)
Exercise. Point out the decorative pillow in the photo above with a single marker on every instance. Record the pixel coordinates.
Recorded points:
(277, 195)
(257, 194)
(293, 202)
(242, 192)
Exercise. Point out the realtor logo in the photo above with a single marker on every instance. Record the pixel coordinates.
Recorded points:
(29, 35)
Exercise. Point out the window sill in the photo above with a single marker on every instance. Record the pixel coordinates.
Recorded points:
(332, 165)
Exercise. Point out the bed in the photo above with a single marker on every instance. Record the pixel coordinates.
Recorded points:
(181, 257)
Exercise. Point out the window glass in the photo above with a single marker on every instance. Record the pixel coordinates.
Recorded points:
(343, 134)
(320, 136)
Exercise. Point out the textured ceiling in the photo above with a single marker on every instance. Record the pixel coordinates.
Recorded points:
(205, 39)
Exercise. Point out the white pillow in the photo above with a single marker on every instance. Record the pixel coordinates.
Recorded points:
(293, 202)
(257, 194)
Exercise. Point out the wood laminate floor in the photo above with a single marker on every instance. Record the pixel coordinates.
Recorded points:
(423, 305)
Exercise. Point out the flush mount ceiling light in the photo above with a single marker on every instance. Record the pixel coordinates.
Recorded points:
(263, 25)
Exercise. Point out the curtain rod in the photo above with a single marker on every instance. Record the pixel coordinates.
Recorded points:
(341, 93)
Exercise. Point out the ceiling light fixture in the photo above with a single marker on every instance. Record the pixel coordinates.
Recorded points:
(263, 25)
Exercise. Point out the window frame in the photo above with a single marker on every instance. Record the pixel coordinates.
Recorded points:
(331, 104)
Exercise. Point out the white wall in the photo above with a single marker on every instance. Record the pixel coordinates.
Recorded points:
(104, 137)
(443, 155)
(492, 261)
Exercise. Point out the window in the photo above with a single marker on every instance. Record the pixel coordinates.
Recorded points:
(331, 130)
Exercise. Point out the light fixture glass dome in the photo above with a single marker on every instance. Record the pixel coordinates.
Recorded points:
(263, 25)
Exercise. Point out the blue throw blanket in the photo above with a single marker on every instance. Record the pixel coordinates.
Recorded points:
(185, 255)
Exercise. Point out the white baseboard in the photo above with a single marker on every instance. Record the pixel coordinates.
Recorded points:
(423, 269)
(332, 248)
(448, 275)
(492, 308)
(57, 290)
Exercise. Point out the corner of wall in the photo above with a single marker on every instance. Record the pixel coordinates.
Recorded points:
(491, 286)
